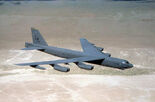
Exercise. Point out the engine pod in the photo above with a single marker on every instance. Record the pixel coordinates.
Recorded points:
(84, 66)
(108, 54)
(38, 67)
(60, 68)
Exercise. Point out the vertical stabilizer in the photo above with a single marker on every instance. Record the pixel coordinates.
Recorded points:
(37, 37)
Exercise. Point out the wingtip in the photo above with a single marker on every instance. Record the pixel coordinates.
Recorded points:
(32, 28)
(83, 39)
(22, 49)
(19, 64)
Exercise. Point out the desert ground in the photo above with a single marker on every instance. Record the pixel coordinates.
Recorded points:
(124, 28)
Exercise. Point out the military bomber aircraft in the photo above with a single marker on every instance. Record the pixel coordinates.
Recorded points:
(90, 54)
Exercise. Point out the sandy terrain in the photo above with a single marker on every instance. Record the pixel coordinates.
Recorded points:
(75, 88)
(124, 29)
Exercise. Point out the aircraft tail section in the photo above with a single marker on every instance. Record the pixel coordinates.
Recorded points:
(37, 37)
(30, 46)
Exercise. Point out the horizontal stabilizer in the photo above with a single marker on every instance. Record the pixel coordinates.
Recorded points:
(33, 48)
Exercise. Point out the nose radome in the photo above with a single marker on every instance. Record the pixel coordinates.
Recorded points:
(130, 65)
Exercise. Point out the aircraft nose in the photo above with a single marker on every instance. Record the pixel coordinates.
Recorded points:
(130, 65)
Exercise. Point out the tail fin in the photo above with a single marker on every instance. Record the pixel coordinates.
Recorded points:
(37, 37)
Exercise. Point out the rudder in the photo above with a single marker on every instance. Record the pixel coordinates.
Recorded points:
(37, 37)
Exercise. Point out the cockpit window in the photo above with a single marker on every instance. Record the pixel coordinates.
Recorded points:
(125, 62)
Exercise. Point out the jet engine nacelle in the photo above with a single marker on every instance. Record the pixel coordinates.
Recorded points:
(60, 68)
(100, 48)
(84, 66)
(107, 54)
(38, 67)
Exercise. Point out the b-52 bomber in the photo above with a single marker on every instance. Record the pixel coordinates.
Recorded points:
(90, 54)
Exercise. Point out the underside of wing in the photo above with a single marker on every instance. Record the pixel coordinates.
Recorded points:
(73, 60)
(89, 47)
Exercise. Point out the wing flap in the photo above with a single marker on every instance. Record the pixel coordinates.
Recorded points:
(73, 60)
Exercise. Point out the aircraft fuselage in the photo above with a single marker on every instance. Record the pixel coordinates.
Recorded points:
(107, 61)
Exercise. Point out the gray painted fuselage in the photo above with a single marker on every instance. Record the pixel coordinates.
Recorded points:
(66, 53)
(91, 54)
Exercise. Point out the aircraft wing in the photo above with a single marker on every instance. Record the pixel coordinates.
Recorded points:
(72, 60)
(89, 47)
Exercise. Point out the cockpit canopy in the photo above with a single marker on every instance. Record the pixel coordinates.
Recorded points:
(125, 62)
